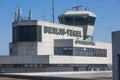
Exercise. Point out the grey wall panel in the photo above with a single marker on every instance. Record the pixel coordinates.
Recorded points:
(63, 42)
(24, 59)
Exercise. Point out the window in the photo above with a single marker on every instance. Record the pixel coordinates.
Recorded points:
(80, 51)
(27, 33)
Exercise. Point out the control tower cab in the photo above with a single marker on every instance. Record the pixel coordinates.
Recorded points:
(80, 18)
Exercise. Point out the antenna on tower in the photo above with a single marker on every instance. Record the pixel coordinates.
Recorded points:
(77, 7)
(15, 15)
(18, 15)
(86, 9)
(20, 12)
(53, 10)
(30, 15)
(44, 14)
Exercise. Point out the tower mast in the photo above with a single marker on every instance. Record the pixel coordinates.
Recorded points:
(53, 10)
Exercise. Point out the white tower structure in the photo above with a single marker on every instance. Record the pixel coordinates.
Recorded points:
(81, 18)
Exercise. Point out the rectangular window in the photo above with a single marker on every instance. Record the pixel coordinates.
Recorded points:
(27, 33)
(80, 51)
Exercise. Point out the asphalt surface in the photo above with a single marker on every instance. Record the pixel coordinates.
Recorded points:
(41, 78)
(8, 78)
(21, 77)
(16, 77)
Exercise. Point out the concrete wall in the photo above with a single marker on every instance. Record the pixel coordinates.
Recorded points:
(47, 37)
(45, 48)
(23, 48)
(77, 60)
(24, 59)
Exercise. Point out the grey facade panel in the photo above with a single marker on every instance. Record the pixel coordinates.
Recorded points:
(24, 59)
(63, 43)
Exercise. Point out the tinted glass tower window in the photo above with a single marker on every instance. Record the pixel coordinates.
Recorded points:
(27, 33)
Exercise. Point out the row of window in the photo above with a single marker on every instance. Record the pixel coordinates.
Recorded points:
(51, 65)
(79, 20)
(80, 51)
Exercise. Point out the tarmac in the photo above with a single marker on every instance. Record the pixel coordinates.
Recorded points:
(16, 77)
(96, 75)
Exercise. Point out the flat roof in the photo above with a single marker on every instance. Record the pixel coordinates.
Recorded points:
(79, 13)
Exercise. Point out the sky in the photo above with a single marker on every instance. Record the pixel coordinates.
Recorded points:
(107, 11)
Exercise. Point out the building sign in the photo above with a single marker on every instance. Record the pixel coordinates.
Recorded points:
(62, 31)
(85, 42)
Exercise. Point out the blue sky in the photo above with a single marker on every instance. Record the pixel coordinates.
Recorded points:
(107, 11)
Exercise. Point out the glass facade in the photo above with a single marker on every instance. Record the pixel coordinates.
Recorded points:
(27, 33)
(80, 51)
(78, 20)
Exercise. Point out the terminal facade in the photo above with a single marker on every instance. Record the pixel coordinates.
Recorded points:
(40, 46)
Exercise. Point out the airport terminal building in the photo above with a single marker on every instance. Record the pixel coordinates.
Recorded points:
(40, 46)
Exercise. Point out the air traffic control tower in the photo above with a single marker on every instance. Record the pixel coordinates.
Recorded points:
(81, 18)
(41, 46)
